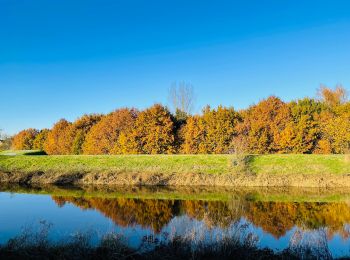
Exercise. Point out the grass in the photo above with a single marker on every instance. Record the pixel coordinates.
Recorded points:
(300, 164)
(210, 164)
(207, 164)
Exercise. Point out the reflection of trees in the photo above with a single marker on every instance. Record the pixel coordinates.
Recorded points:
(214, 213)
(275, 218)
(310, 244)
(124, 212)
(279, 217)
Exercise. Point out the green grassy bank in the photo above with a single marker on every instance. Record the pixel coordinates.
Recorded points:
(208, 164)
(25, 161)
(156, 169)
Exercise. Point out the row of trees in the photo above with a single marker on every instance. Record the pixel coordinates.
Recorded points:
(307, 125)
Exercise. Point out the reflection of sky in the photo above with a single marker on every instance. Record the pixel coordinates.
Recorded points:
(339, 246)
(268, 240)
(21, 210)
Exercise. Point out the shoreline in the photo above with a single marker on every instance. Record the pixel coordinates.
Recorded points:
(190, 180)
(218, 193)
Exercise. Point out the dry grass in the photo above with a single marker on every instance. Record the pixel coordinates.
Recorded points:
(238, 244)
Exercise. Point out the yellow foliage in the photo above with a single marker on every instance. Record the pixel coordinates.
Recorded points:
(59, 139)
(153, 133)
(103, 136)
(24, 140)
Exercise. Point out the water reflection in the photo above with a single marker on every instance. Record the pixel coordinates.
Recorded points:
(320, 217)
(275, 218)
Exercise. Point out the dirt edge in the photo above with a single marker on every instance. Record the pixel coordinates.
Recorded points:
(190, 179)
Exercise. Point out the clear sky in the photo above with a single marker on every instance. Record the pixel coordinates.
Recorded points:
(64, 58)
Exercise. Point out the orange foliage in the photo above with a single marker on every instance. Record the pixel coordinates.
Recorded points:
(333, 97)
(263, 123)
(210, 133)
(24, 140)
(271, 126)
(103, 136)
(153, 133)
(40, 139)
(194, 136)
(80, 128)
(59, 139)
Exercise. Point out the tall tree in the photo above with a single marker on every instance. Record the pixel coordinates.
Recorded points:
(335, 127)
(40, 139)
(103, 136)
(80, 128)
(303, 131)
(211, 132)
(194, 136)
(153, 132)
(263, 123)
(181, 97)
(59, 139)
(24, 139)
(333, 97)
(220, 126)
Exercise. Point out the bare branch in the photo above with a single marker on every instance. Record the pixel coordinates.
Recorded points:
(181, 97)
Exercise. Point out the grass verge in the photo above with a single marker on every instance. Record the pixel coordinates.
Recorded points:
(206, 164)
(187, 170)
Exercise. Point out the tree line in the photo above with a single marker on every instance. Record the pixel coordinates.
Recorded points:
(308, 125)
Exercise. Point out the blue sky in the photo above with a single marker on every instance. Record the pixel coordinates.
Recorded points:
(64, 58)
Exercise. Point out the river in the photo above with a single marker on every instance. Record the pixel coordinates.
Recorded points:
(273, 218)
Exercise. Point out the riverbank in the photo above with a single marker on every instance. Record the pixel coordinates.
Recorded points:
(179, 170)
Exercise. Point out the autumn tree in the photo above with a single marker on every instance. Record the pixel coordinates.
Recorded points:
(220, 129)
(335, 134)
(263, 123)
(333, 97)
(212, 132)
(153, 133)
(194, 136)
(302, 132)
(103, 137)
(40, 139)
(59, 139)
(335, 121)
(79, 129)
(24, 139)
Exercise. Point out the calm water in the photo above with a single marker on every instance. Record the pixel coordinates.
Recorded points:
(277, 218)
